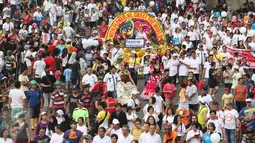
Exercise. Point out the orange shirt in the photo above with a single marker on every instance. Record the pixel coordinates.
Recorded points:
(240, 92)
(170, 138)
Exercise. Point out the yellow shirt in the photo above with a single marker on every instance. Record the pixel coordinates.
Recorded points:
(133, 62)
(201, 116)
(218, 57)
(69, 48)
(227, 98)
(101, 115)
(124, 2)
(136, 133)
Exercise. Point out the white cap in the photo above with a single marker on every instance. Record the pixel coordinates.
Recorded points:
(201, 99)
(248, 100)
(115, 121)
(68, 40)
(111, 43)
(135, 92)
(68, 23)
(236, 67)
(94, 32)
(133, 52)
(175, 54)
(43, 113)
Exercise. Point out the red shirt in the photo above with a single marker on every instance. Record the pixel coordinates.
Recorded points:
(102, 30)
(99, 87)
(51, 62)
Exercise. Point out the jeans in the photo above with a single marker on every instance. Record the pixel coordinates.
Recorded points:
(146, 77)
(112, 94)
(230, 134)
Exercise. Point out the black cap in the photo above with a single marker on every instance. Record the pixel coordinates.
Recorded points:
(21, 115)
(75, 87)
(87, 85)
(73, 122)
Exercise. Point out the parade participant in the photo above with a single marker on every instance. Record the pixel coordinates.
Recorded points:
(35, 102)
(134, 102)
(152, 136)
(86, 97)
(73, 135)
(21, 127)
(101, 137)
(73, 100)
(58, 136)
(191, 92)
(17, 100)
(194, 135)
(81, 112)
(247, 114)
(99, 86)
(43, 123)
(6, 138)
(111, 80)
(240, 94)
(126, 85)
(110, 104)
(202, 113)
(41, 136)
(58, 98)
(115, 129)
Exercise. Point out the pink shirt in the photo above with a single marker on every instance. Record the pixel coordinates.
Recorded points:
(169, 87)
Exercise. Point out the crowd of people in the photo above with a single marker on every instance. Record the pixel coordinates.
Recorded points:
(55, 89)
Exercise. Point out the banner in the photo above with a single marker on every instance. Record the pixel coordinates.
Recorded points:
(243, 53)
(134, 43)
(135, 25)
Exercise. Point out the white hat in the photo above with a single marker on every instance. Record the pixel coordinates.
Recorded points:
(236, 67)
(133, 52)
(43, 113)
(38, 7)
(201, 99)
(115, 121)
(111, 43)
(135, 92)
(60, 112)
(148, 42)
(68, 40)
(175, 54)
(248, 100)
(94, 32)
(68, 23)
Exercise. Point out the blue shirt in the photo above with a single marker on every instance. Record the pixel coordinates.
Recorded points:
(61, 47)
(249, 113)
(67, 74)
(34, 97)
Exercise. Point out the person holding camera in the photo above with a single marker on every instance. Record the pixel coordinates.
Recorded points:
(134, 102)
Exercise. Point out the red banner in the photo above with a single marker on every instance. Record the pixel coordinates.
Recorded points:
(244, 53)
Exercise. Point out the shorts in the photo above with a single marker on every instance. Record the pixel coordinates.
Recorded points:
(212, 83)
(16, 110)
(193, 107)
(34, 111)
(28, 63)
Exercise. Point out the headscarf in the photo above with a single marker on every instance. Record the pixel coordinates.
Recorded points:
(59, 119)
(72, 58)
(51, 126)
(65, 125)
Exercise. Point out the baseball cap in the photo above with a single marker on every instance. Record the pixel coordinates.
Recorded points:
(248, 100)
(115, 121)
(226, 89)
(43, 113)
(175, 55)
(58, 82)
(111, 43)
(135, 92)
(80, 102)
(200, 45)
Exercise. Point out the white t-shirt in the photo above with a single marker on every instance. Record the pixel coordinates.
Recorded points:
(111, 81)
(23, 78)
(56, 138)
(192, 133)
(194, 63)
(218, 124)
(83, 129)
(148, 138)
(8, 26)
(130, 118)
(173, 67)
(168, 119)
(89, 79)
(159, 101)
(122, 139)
(17, 97)
(39, 67)
(183, 69)
(190, 90)
(188, 45)
(8, 140)
(98, 139)
(117, 132)
(207, 67)
(230, 118)
(207, 99)
(116, 53)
